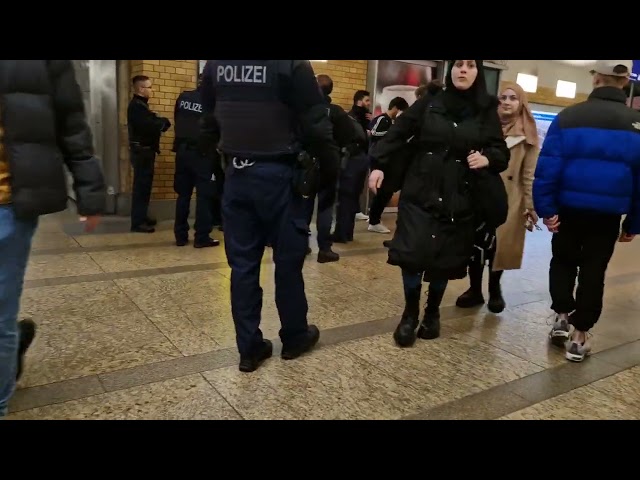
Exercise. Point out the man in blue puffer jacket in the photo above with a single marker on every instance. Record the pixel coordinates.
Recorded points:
(587, 178)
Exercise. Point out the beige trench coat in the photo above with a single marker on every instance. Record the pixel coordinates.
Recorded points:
(518, 180)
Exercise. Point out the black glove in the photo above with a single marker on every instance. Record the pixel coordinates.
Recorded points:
(167, 124)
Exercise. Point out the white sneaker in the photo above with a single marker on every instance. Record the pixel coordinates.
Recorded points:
(576, 352)
(379, 228)
(361, 216)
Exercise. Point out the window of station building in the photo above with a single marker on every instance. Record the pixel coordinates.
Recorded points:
(492, 77)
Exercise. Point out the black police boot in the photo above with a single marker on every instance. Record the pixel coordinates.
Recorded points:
(326, 256)
(405, 333)
(152, 222)
(430, 326)
(181, 242)
(290, 352)
(496, 301)
(473, 297)
(209, 242)
(144, 228)
(26, 332)
(250, 363)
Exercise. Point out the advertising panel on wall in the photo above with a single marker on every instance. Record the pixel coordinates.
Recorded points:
(543, 121)
(400, 78)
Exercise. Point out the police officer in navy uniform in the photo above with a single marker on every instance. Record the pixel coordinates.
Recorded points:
(265, 113)
(145, 128)
(194, 168)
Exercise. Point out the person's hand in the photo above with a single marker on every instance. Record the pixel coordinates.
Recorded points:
(375, 180)
(368, 116)
(477, 160)
(90, 222)
(626, 237)
(552, 223)
(532, 215)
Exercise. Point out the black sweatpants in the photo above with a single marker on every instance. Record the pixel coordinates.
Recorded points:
(582, 248)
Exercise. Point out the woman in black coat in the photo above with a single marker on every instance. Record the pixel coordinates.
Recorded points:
(451, 182)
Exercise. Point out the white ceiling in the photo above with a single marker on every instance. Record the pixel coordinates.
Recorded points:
(576, 63)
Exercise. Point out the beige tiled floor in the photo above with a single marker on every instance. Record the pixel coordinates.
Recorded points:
(178, 324)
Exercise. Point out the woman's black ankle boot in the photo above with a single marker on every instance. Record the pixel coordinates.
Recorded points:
(430, 326)
(473, 297)
(405, 334)
(496, 301)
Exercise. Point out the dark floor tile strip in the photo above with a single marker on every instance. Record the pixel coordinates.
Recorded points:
(149, 272)
(524, 392)
(100, 248)
(156, 372)
(53, 393)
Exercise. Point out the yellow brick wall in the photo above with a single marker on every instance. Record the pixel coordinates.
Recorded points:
(169, 79)
(347, 75)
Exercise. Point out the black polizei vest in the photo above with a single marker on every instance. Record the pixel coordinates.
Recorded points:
(187, 118)
(250, 108)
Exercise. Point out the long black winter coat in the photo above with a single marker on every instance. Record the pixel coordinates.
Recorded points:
(45, 128)
(437, 213)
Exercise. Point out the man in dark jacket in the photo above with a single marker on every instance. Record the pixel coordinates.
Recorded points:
(587, 178)
(43, 128)
(145, 128)
(344, 135)
(378, 128)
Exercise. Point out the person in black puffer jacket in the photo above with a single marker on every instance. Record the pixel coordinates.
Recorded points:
(449, 184)
(43, 127)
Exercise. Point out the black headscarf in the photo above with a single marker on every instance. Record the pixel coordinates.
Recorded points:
(461, 104)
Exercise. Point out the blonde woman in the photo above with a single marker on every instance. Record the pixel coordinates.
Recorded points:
(521, 135)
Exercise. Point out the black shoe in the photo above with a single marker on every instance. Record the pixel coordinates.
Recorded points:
(405, 333)
(496, 302)
(143, 229)
(182, 242)
(251, 363)
(326, 256)
(152, 222)
(210, 242)
(26, 332)
(430, 326)
(470, 299)
(386, 244)
(290, 352)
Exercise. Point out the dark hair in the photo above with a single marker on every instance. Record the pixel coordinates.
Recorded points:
(326, 83)
(399, 103)
(359, 95)
(139, 79)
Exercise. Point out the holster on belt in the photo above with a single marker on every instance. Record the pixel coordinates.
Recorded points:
(306, 176)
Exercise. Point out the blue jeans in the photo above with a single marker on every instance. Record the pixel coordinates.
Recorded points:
(412, 281)
(15, 245)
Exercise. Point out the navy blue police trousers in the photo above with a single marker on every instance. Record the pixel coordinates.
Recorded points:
(193, 170)
(351, 185)
(259, 208)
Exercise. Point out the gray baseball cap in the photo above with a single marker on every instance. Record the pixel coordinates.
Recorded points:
(607, 67)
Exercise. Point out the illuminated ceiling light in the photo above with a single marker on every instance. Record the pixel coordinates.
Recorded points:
(318, 60)
(566, 89)
(529, 83)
